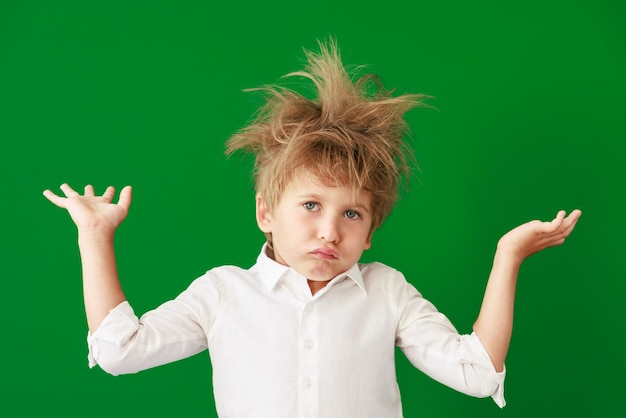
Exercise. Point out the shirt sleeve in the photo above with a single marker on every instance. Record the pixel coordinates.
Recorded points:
(433, 345)
(124, 343)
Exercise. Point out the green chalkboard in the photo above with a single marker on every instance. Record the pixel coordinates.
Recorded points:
(528, 117)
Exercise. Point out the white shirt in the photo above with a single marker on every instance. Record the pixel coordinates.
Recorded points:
(277, 351)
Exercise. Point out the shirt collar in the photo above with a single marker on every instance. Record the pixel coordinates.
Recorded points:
(272, 272)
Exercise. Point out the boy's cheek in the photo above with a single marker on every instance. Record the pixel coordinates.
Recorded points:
(368, 243)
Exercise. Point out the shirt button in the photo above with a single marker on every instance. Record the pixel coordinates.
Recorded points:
(308, 344)
(308, 382)
(309, 308)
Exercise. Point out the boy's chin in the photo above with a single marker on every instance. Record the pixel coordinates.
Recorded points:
(321, 275)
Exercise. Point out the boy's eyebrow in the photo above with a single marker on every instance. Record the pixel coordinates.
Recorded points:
(361, 207)
(314, 196)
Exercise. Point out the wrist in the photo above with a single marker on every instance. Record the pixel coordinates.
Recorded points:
(508, 258)
(95, 234)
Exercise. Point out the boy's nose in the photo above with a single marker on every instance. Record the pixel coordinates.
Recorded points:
(329, 231)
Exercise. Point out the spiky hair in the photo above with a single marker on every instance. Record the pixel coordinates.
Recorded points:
(351, 134)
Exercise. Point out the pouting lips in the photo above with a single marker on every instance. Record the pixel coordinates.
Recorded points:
(325, 253)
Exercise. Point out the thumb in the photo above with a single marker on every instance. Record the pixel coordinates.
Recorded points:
(125, 197)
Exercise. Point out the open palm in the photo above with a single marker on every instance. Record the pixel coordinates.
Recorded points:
(534, 236)
(89, 211)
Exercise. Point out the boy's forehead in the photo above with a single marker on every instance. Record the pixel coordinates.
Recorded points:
(304, 184)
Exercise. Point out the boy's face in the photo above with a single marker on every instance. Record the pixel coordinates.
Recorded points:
(319, 231)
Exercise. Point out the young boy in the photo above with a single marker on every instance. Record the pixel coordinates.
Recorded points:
(307, 330)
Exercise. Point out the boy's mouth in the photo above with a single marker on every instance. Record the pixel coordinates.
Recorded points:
(325, 253)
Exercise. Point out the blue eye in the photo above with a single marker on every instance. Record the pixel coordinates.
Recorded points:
(312, 206)
(352, 214)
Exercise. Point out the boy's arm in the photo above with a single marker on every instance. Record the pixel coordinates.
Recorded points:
(96, 218)
(495, 320)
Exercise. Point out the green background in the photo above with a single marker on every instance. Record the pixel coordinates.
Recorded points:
(530, 118)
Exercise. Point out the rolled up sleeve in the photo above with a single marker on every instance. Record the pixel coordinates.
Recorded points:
(433, 345)
(114, 332)
(124, 343)
(472, 352)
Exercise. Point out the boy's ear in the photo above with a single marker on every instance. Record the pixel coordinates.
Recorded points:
(263, 216)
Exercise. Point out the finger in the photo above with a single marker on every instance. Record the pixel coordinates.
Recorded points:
(560, 216)
(89, 190)
(558, 236)
(570, 222)
(125, 197)
(57, 200)
(576, 213)
(69, 192)
(555, 224)
(109, 193)
(572, 217)
(547, 227)
(555, 241)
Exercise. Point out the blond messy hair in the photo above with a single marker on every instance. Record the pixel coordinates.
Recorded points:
(348, 135)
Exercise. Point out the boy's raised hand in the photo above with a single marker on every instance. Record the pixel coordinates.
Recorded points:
(495, 321)
(534, 236)
(91, 212)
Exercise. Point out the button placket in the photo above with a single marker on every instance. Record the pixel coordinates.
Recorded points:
(308, 363)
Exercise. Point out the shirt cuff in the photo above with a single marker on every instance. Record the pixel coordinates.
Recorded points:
(494, 383)
(117, 328)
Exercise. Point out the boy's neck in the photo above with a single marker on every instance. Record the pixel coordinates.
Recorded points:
(316, 286)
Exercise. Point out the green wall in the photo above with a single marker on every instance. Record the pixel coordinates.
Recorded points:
(529, 119)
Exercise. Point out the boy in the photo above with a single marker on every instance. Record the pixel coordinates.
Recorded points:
(307, 330)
